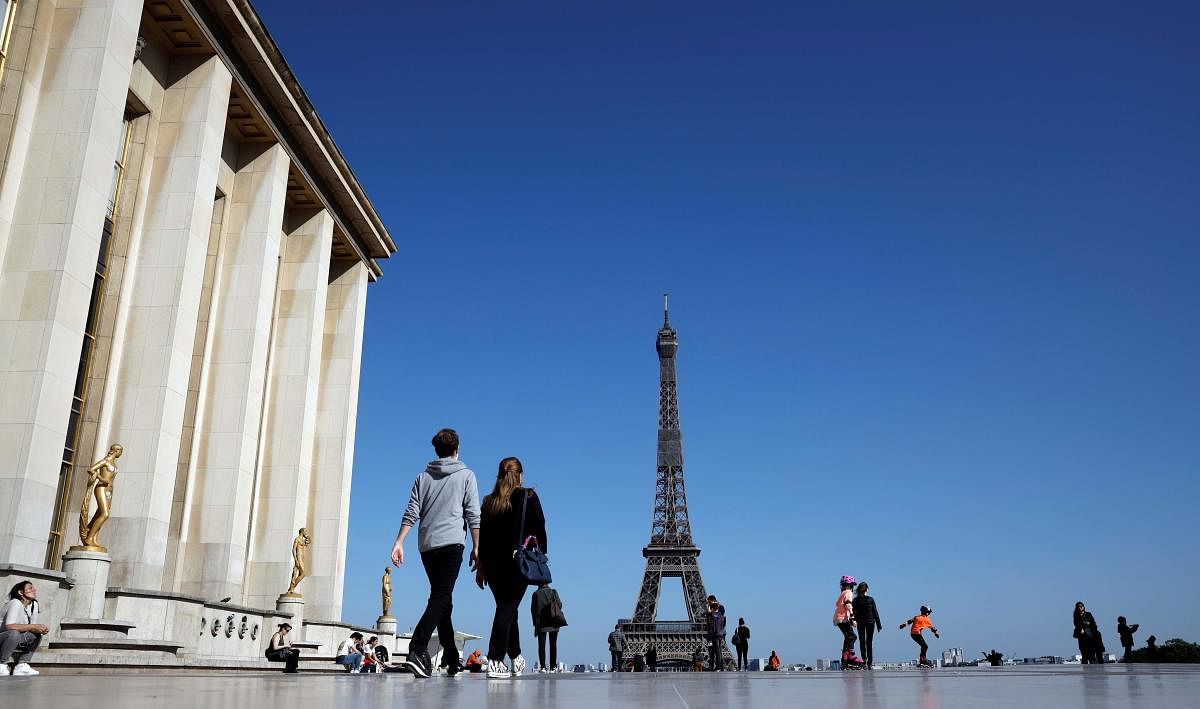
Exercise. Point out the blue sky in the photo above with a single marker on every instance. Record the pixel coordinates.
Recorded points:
(933, 267)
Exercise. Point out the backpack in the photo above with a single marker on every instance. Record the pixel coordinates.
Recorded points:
(553, 614)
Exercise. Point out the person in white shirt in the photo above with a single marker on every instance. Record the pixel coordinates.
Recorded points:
(349, 653)
(20, 633)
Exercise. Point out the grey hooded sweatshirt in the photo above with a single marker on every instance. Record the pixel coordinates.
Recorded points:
(445, 499)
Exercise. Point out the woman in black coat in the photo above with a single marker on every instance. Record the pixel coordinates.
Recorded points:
(499, 532)
(1091, 644)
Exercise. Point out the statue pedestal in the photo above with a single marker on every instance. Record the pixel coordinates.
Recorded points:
(293, 603)
(89, 571)
(386, 624)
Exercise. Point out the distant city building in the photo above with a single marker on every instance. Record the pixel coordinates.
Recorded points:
(822, 664)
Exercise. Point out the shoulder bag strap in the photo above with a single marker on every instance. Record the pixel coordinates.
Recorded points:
(521, 534)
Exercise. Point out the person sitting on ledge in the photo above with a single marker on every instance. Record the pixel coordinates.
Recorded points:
(375, 656)
(20, 633)
(349, 653)
(280, 649)
(475, 662)
(773, 662)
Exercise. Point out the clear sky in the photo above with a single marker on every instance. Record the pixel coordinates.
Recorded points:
(933, 267)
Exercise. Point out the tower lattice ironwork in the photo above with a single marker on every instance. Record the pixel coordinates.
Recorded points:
(672, 551)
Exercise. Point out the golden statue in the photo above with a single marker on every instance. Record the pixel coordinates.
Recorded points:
(101, 476)
(299, 570)
(387, 591)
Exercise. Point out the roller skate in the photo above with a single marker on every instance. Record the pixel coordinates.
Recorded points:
(850, 661)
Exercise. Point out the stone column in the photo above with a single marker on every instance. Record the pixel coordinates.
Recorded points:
(292, 603)
(89, 571)
(229, 427)
(386, 624)
(50, 258)
(284, 483)
(155, 360)
(333, 457)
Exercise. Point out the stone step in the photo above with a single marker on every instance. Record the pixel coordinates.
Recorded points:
(95, 628)
(123, 646)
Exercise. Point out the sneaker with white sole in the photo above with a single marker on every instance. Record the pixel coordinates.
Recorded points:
(418, 664)
(24, 670)
(518, 666)
(4, 669)
(497, 670)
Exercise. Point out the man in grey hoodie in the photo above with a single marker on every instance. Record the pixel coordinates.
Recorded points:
(445, 500)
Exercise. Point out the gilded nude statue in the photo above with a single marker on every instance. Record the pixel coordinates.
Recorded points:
(387, 592)
(299, 570)
(101, 476)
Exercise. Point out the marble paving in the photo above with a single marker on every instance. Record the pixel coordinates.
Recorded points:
(1062, 687)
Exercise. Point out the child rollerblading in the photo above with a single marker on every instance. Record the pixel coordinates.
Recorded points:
(843, 618)
(919, 623)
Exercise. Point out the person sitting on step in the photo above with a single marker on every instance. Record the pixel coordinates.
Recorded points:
(20, 633)
(349, 653)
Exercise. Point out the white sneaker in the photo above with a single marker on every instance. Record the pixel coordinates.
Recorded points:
(518, 667)
(497, 670)
(24, 670)
(4, 669)
(355, 670)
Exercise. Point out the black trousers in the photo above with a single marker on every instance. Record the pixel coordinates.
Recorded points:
(553, 649)
(616, 660)
(848, 636)
(716, 660)
(743, 663)
(866, 637)
(506, 632)
(921, 641)
(290, 656)
(441, 566)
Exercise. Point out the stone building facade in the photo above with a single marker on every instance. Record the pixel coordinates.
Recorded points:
(184, 263)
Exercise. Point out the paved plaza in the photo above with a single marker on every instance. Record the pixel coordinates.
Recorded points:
(1061, 687)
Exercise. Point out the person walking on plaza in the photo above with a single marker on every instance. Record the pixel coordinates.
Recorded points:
(1126, 631)
(652, 658)
(1091, 643)
(20, 631)
(919, 623)
(506, 511)
(546, 608)
(741, 643)
(715, 620)
(867, 618)
(445, 501)
(280, 649)
(843, 618)
(616, 647)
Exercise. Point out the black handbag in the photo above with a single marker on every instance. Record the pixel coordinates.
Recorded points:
(532, 564)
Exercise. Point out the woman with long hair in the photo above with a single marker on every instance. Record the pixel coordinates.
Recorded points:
(499, 532)
(1091, 644)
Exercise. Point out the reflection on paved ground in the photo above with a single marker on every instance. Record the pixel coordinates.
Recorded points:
(1088, 687)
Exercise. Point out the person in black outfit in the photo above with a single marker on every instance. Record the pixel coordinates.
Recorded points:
(652, 658)
(280, 649)
(741, 643)
(715, 618)
(868, 621)
(1126, 632)
(1091, 644)
(499, 530)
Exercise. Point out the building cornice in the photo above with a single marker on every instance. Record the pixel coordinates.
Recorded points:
(237, 33)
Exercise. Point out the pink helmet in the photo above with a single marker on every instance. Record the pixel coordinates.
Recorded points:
(847, 580)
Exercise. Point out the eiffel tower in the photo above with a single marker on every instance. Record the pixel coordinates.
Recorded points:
(672, 552)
